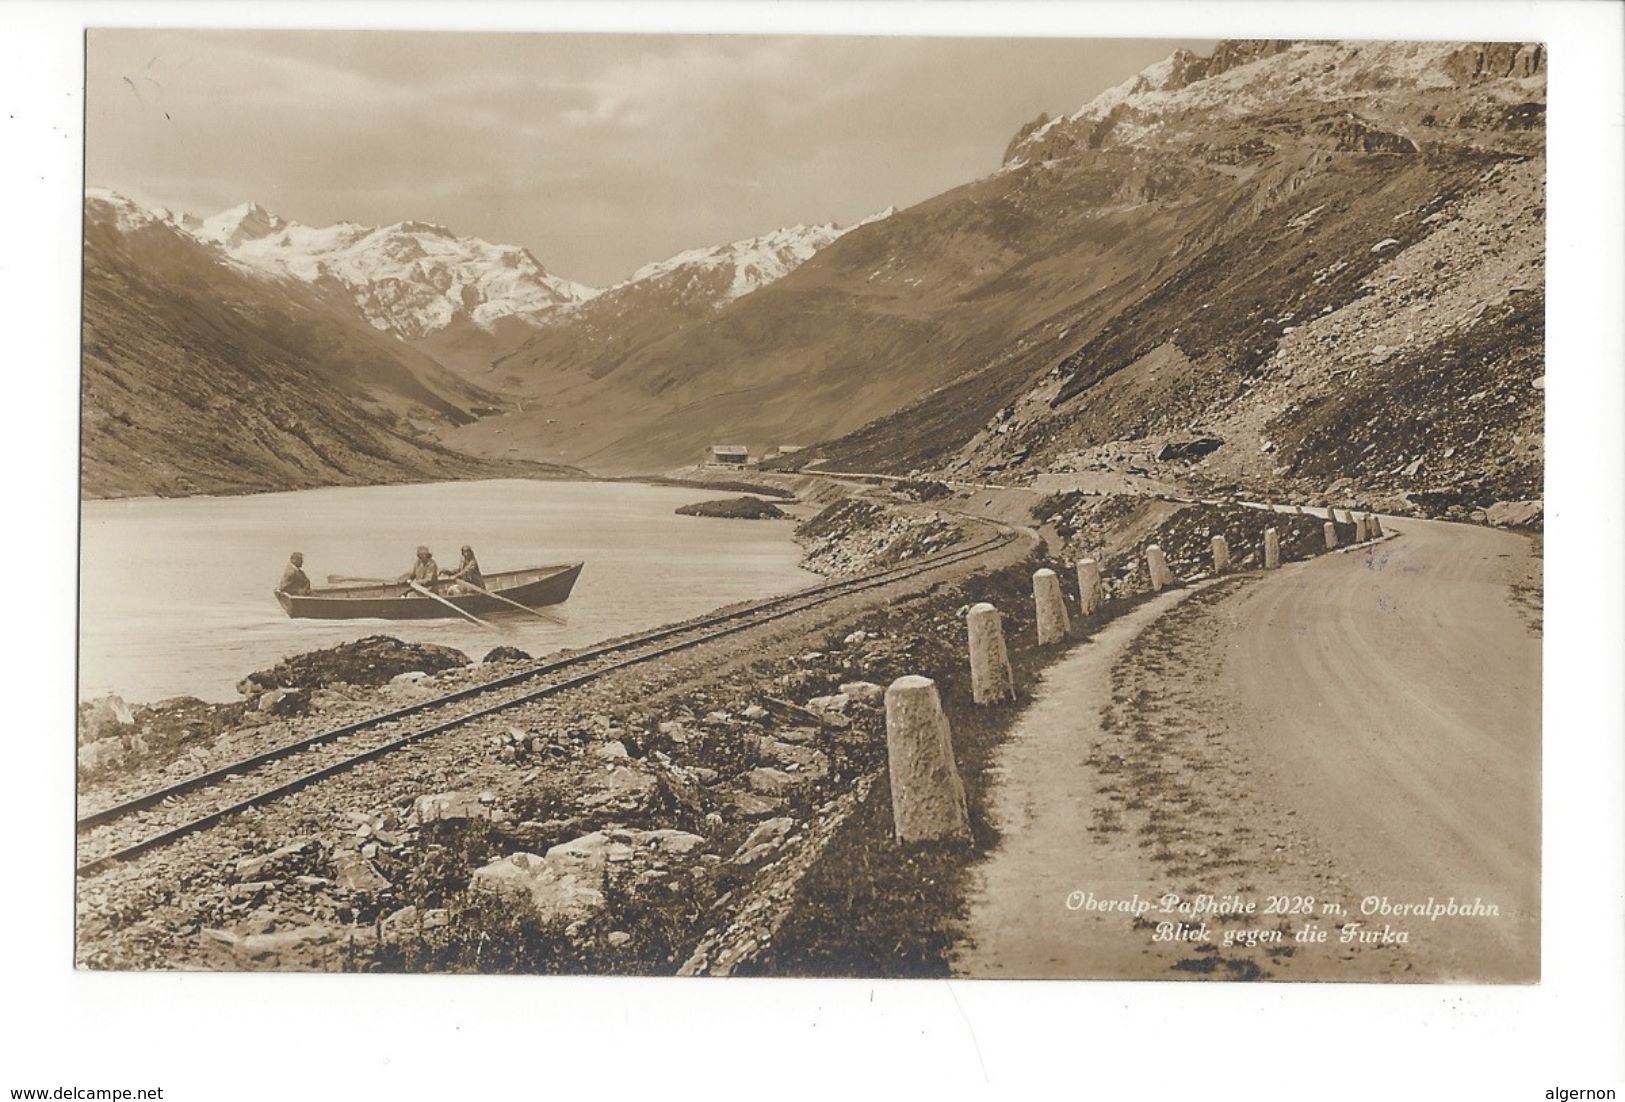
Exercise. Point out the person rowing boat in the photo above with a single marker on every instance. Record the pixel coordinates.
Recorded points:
(467, 577)
(425, 571)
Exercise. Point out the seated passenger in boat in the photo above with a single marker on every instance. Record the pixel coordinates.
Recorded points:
(294, 582)
(424, 572)
(467, 577)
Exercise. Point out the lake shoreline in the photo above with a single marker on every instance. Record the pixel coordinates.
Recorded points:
(165, 582)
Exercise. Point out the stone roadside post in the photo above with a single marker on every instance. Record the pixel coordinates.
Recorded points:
(1221, 555)
(1090, 594)
(991, 679)
(1051, 604)
(1360, 534)
(927, 796)
(1157, 563)
(1330, 531)
(1272, 549)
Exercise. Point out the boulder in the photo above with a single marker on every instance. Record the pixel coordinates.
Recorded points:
(830, 709)
(252, 890)
(270, 946)
(619, 788)
(797, 734)
(354, 873)
(611, 751)
(402, 923)
(505, 654)
(592, 853)
(555, 890)
(105, 717)
(864, 692)
(752, 805)
(1189, 448)
(284, 702)
(767, 781)
(673, 842)
(298, 855)
(763, 841)
(601, 851)
(94, 757)
(1516, 514)
(444, 806)
(806, 762)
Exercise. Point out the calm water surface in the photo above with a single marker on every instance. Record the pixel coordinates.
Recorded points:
(176, 595)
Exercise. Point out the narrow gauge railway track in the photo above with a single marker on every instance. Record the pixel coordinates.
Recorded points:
(146, 822)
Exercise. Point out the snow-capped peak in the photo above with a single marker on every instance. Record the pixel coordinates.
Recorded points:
(754, 261)
(410, 278)
(106, 205)
(244, 222)
(877, 216)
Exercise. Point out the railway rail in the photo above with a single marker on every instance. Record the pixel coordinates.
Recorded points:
(134, 826)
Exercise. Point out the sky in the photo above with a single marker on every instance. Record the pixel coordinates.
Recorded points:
(599, 153)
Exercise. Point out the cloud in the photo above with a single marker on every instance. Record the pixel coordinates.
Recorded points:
(597, 152)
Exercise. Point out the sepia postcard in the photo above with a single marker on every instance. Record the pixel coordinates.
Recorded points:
(812, 506)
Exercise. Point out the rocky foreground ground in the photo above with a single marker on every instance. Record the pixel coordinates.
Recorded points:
(719, 810)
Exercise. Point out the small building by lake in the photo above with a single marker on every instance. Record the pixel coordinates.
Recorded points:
(729, 455)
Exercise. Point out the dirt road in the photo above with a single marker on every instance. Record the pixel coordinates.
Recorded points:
(1395, 694)
(1359, 727)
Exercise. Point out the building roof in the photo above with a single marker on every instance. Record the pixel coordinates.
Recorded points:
(729, 449)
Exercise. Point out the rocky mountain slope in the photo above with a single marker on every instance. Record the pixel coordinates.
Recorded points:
(1206, 249)
(1330, 262)
(199, 377)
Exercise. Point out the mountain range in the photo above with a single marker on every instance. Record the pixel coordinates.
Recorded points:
(1323, 260)
(384, 336)
(200, 377)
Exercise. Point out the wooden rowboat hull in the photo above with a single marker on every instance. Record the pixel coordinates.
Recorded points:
(534, 588)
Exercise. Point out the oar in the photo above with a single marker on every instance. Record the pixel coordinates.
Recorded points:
(346, 579)
(469, 616)
(522, 608)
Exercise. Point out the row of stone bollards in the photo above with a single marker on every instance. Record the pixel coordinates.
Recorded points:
(928, 796)
(1366, 527)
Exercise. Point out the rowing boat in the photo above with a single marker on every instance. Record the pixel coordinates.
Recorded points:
(533, 588)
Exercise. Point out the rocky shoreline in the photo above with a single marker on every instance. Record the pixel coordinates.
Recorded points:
(737, 776)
